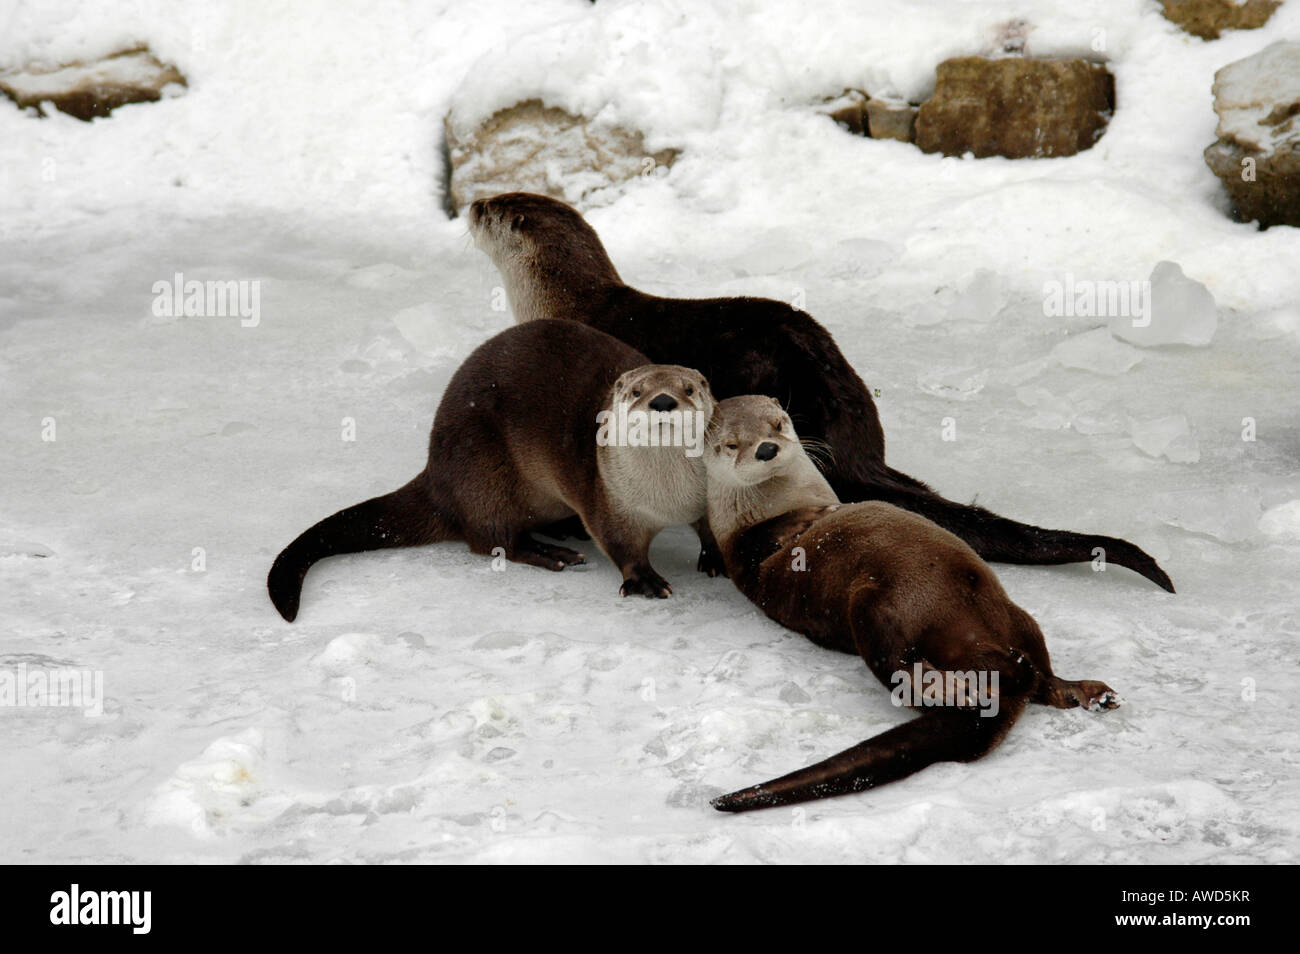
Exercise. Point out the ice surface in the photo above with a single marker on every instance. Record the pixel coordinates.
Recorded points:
(1182, 311)
(1096, 351)
(427, 708)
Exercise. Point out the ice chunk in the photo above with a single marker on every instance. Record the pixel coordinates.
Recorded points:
(419, 325)
(1096, 351)
(1169, 436)
(1174, 309)
(1229, 515)
(981, 298)
(1054, 412)
(1282, 520)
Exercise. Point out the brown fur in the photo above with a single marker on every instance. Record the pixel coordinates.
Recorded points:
(555, 266)
(514, 449)
(872, 579)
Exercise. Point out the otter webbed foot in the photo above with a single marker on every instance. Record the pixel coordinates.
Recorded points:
(646, 582)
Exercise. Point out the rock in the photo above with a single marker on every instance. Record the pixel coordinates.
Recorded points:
(891, 119)
(532, 147)
(1179, 310)
(1257, 156)
(1208, 18)
(849, 110)
(1015, 107)
(88, 90)
(879, 117)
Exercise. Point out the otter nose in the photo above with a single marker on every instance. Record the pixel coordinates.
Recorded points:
(663, 402)
(766, 450)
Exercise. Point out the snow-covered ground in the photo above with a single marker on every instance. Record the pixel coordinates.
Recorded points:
(425, 707)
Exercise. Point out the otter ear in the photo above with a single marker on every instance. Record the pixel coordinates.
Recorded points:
(519, 221)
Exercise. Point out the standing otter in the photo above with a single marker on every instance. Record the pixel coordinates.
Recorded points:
(869, 578)
(518, 443)
(555, 266)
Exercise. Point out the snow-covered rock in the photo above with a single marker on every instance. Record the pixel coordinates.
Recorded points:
(1257, 156)
(89, 90)
(531, 147)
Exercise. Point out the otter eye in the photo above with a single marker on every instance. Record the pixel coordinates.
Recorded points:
(689, 391)
(636, 393)
(778, 427)
(733, 447)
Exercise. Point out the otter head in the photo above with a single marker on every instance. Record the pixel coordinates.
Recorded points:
(550, 258)
(751, 440)
(659, 405)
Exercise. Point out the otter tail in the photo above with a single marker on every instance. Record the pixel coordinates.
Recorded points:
(939, 735)
(405, 518)
(998, 539)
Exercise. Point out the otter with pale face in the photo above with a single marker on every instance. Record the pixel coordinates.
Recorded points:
(517, 446)
(555, 266)
(869, 578)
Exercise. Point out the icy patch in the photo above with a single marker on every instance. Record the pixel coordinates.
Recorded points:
(979, 299)
(1230, 515)
(1282, 520)
(421, 326)
(225, 783)
(1052, 412)
(1096, 351)
(1181, 311)
(1169, 437)
(960, 385)
(23, 549)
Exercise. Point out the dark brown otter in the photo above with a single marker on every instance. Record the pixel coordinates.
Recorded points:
(916, 603)
(555, 266)
(517, 445)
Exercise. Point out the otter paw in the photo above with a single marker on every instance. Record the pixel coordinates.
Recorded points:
(647, 583)
(710, 562)
(1107, 699)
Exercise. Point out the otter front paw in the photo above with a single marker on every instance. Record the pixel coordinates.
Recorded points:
(647, 583)
(710, 562)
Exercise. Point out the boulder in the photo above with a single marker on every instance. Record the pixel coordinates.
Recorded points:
(88, 90)
(1208, 18)
(891, 119)
(532, 147)
(1257, 155)
(849, 110)
(1016, 107)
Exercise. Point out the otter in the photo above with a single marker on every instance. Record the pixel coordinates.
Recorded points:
(555, 266)
(519, 441)
(914, 601)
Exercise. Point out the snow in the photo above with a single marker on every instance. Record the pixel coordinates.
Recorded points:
(426, 707)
